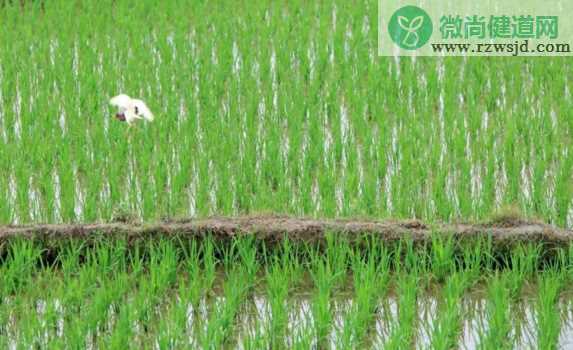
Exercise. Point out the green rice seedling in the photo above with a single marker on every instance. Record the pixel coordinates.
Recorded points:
(81, 287)
(52, 317)
(283, 272)
(257, 338)
(327, 271)
(247, 251)
(209, 263)
(163, 266)
(18, 267)
(477, 259)
(121, 336)
(162, 276)
(105, 303)
(222, 319)
(73, 295)
(448, 326)
(135, 261)
(4, 335)
(415, 261)
(107, 257)
(371, 277)
(278, 287)
(28, 332)
(172, 326)
(402, 334)
(43, 308)
(288, 256)
(305, 338)
(567, 261)
(337, 253)
(192, 289)
(324, 279)
(548, 316)
(498, 330)
(69, 257)
(524, 262)
(228, 254)
(442, 259)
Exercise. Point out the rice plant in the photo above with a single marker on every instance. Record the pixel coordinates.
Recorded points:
(176, 292)
(267, 107)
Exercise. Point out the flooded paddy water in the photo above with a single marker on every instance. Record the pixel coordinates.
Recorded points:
(205, 294)
(252, 326)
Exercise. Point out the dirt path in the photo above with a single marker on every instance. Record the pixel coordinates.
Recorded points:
(272, 228)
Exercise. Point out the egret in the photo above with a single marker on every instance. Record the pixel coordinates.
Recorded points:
(130, 109)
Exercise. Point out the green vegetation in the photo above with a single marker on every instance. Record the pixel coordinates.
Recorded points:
(179, 293)
(265, 106)
(274, 107)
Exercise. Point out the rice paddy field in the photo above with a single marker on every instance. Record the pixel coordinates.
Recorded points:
(273, 107)
(267, 106)
(167, 294)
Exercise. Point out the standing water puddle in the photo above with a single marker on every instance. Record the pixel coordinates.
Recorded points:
(252, 327)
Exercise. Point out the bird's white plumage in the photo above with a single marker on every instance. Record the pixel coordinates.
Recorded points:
(131, 109)
(121, 101)
(142, 109)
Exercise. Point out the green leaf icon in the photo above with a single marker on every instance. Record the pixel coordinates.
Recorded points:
(410, 27)
(416, 23)
(403, 22)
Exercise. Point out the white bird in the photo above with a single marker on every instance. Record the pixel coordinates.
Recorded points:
(130, 109)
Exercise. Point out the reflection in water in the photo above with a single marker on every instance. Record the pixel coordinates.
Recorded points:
(252, 326)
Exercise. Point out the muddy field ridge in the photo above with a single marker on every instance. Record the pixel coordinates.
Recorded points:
(274, 228)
